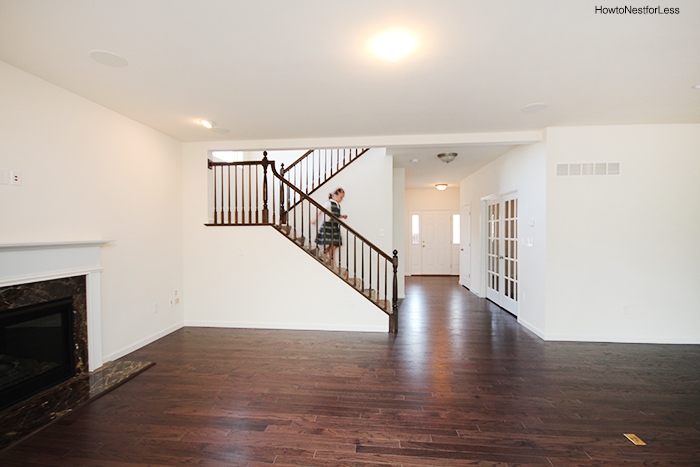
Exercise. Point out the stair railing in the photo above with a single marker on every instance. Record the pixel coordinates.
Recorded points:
(254, 193)
(241, 193)
(316, 166)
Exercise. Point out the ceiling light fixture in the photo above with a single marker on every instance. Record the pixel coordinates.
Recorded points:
(108, 58)
(394, 45)
(447, 157)
(534, 107)
(207, 124)
(697, 86)
(441, 186)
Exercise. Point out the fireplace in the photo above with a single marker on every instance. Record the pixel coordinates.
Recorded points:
(43, 336)
(50, 299)
(36, 349)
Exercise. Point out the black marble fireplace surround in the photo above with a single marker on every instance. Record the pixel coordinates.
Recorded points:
(33, 413)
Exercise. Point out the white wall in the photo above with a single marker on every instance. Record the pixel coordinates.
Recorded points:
(399, 240)
(90, 174)
(521, 170)
(254, 277)
(623, 263)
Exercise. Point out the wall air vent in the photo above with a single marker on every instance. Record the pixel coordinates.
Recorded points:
(588, 168)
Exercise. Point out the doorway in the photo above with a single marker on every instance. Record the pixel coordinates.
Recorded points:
(435, 242)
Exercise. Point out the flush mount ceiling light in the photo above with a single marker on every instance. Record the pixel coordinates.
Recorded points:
(441, 186)
(447, 157)
(108, 58)
(534, 107)
(207, 124)
(394, 45)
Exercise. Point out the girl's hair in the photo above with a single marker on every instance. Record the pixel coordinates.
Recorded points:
(338, 190)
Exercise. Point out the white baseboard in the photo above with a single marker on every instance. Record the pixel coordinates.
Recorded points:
(622, 339)
(137, 345)
(288, 326)
(531, 328)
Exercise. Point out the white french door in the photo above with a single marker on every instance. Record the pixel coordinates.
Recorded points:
(502, 252)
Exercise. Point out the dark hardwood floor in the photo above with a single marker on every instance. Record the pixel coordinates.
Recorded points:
(461, 385)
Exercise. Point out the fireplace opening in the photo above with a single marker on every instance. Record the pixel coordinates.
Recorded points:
(36, 349)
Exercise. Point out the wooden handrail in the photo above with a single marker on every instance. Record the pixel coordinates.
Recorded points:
(301, 158)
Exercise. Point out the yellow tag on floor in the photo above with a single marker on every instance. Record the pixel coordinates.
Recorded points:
(635, 439)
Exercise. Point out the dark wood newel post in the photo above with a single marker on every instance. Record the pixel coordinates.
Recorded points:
(394, 318)
(265, 211)
(283, 212)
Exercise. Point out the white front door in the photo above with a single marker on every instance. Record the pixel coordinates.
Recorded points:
(436, 242)
(502, 252)
(465, 242)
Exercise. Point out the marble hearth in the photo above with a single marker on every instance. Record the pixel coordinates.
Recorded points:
(39, 272)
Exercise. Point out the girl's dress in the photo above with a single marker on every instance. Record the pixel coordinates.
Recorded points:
(329, 233)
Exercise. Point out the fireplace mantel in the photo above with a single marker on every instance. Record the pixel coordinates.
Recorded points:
(24, 263)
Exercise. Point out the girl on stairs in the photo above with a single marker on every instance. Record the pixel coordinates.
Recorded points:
(329, 233)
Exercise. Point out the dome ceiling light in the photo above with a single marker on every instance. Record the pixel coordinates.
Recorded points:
(447, 157)
(441, 186)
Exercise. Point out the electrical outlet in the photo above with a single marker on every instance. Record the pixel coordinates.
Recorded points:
(15, 178)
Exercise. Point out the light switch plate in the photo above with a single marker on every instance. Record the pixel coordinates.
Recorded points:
(4, 177)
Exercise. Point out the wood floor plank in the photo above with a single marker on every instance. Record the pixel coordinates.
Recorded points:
(462, 384)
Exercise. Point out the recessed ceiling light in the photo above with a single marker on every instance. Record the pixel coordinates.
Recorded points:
(414, 160)
(207, 124)
(393, 45)
(534, 107)
(108, 58)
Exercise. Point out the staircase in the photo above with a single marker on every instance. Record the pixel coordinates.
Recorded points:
(255, 193)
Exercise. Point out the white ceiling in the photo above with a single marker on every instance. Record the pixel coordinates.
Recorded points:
(300, 69)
